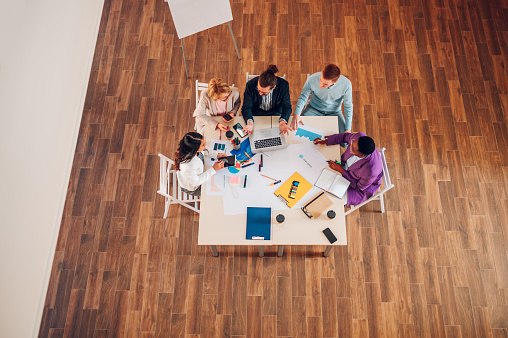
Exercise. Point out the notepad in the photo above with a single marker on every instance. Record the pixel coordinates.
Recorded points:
(235, 179)
(332, 183)
(259, 222)
(283, 192)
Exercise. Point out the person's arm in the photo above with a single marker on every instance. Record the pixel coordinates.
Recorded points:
(348, 107)
(340, 138)
(195, 178)
(238, 101)
(248, 101)
(302, 99)
(286, 104)
(200, 112)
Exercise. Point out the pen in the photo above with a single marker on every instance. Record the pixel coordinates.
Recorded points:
(220, 134)
(261, 159)
(276, 182)
(268, 177)
(338, 162)
(246, 165)
(248, 156)
(245, 181)
(260, 166)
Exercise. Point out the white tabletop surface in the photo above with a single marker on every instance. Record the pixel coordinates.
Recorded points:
(217, 229)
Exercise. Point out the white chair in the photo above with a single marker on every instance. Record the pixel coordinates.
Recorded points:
(169, 178)
(387, 185)
(249, 77)
(200, 86)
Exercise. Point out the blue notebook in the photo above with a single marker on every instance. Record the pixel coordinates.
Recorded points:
(259, 221)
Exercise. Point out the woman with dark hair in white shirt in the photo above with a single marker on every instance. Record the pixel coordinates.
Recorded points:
(190, 163)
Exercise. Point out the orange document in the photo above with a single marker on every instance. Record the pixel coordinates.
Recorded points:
(303, 188)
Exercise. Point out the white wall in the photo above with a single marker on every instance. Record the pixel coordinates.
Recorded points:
(46, 49)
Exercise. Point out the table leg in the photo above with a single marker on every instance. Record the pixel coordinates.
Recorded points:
(215, 253)
(328, 250)
(280, 251)
(261, 251)
(184, 59)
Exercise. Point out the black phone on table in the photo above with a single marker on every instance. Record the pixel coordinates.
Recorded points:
(238, 128)
(227, 118)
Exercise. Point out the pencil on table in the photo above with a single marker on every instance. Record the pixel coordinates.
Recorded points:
(248, 156)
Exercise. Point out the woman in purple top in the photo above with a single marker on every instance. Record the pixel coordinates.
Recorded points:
(360, 164)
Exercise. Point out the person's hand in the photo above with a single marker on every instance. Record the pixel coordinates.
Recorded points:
(335, 166)
(295, 121)
(248, 128)
(283, 126)
(319, 141)
(218, 165)
(347, 131)
(221, 155)
(223, 127)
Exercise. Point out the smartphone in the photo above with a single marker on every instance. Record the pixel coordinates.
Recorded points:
(292, 191)
(238, 128)
(330, 236)
(229, 161)
(227, 118)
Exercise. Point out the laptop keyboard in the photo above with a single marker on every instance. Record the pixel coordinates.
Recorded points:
(268, 142)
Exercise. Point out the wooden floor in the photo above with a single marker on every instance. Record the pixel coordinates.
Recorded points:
(430, 84)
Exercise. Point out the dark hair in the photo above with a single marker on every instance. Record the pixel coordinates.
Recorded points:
(188, 148)
(331, 72)
(268, 78)
(366, 145)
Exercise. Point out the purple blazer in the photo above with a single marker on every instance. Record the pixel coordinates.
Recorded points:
(365, 175)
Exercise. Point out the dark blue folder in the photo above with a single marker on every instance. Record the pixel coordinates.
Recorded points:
(259, 221)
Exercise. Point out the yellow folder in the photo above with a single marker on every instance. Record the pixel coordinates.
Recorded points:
(303, 188)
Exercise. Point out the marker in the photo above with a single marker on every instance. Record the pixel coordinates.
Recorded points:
(330, 161)
(261, 159)
(246, 165)
(260, 166)
(276, 182)
(220, 134)
(245, 181)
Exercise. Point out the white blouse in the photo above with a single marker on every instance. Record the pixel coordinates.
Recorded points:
(192, 174)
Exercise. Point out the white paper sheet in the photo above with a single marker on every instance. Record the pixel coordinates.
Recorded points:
(304, 158)
(212, 154)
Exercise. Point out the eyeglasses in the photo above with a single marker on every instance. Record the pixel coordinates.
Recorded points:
(262, 93)
(226, 98)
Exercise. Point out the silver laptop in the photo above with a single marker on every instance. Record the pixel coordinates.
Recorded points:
(267, 140)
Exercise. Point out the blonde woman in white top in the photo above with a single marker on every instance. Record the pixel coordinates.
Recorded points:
(218, 100)
(190, 163)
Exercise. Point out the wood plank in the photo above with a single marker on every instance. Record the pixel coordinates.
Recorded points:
(239, 306)
(254, 306)
(283, 306)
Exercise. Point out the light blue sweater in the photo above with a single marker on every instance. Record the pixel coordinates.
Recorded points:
(328, 100)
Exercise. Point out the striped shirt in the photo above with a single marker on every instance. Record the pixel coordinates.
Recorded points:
(266, 103)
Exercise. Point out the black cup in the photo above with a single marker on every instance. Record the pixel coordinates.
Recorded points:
(280, 218)
(331, 214)
(229, 134)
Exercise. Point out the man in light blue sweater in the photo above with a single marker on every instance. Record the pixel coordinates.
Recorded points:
(329, 89)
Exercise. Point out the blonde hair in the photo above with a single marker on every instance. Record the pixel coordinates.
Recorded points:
(216, 87)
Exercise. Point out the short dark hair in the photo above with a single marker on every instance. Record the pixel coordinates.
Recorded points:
(331, 72)
(268, 78)
(366, 145)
